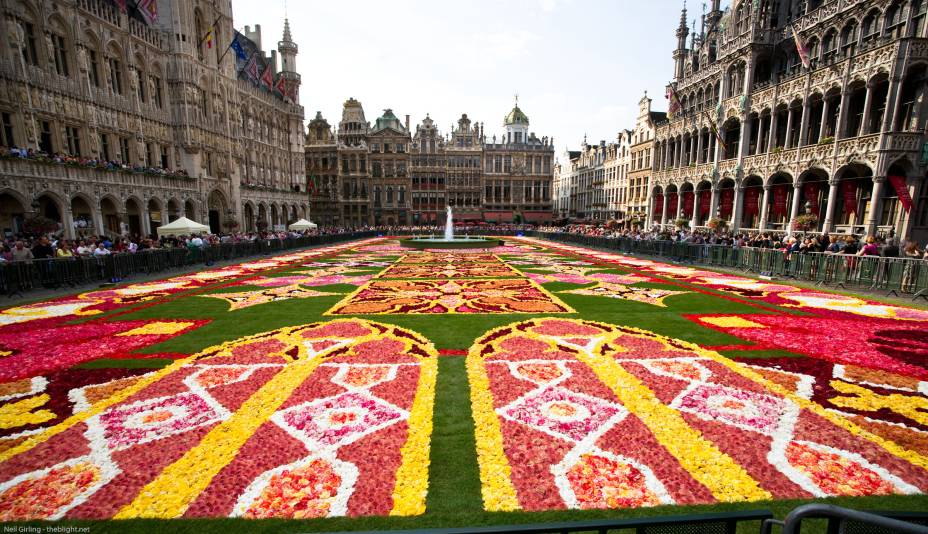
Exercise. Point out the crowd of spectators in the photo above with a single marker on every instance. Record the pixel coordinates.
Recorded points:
(797, 242)
(23, 248)
(79, 161)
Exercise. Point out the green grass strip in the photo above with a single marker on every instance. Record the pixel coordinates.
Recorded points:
(126, 363)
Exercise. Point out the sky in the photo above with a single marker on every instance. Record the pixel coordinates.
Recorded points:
(579, 67)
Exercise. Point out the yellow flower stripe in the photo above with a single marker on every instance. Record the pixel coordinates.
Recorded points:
(724, 477)
(412, 477)
(169, 495)
(80, 417)
(891, 447)
(499, 495)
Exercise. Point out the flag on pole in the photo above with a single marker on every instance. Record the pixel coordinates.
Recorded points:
(209, 37)
(801, 49)
(673, 106)
(251, 69)
(715, 131)
(238, 47)
(121, 4)
(267, 79)
(148, 10)
(281, 86)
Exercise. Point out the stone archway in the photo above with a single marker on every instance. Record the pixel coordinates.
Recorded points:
(173, 210)
(217, 211)
(109, 210)
(12, 213)
(190, 210)
(248, 213)
(134, 217)
(155, 215)
(82, 215)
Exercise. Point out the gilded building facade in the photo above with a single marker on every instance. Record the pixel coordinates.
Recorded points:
(388, 175)
(837, 138)
(87, 81)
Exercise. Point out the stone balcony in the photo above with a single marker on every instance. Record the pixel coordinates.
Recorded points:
(45, 174)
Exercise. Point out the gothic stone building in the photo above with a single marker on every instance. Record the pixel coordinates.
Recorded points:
(83, 78)
(836, 142)
(387, 175)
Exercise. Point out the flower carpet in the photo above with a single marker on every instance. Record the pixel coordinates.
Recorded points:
(395, 388)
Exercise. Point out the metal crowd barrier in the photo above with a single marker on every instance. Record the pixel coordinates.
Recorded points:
(21, 276)
(847, 521)
(893, 276)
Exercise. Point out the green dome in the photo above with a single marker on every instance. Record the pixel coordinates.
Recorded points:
(515, 117)
(388, 120)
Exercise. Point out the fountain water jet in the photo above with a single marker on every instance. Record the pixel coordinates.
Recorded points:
(449, 241)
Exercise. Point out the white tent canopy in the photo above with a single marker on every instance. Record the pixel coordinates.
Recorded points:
(182, 226)
(302, 224)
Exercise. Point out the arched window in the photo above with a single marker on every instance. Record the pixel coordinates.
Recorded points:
(849, 35)
(830, 45)
(141, 91)
(114, 63)
(155, 86)
(919, 9)
(870, 28)
(200, 33)
(60, 46)
(389, 195)
(894, 22)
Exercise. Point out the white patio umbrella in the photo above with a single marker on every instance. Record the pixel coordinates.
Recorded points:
(182, 226)
(302, 224)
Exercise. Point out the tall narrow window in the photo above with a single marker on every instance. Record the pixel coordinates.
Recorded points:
(6, 129)
(115, 75)
(30, 53)
(156, 91)
(93, 68)
(124, 150)
(60, 55)
(104, 147)
(45, 137)
(72, 133)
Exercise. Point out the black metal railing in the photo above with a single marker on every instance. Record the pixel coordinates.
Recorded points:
(847, 521)
(19, 277)
(715, 523)
(898, 276)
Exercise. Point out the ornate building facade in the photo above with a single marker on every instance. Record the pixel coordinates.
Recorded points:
(387, 175)
(85, 80)
(828, 145)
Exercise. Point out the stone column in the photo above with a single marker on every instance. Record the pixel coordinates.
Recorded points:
(841, 122)
(737, 209)
(699, 147)
(744, 138)
(679, 212)
(714, 204)
(828, 225)
(824, 123)
(694, 154)
(664, 208)
(67, 220)
(695, 214)
(650, 221)
(789, 128)
(804, 123)
(145, 223)
(875, 201)
(761, 140)
(772, 136)
(892, 105)
(96, 213)
(864, 128)
(764, 209)
(794, 208)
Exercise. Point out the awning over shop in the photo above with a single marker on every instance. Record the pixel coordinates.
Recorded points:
(467, 216)
(498, 216)
(537, 216)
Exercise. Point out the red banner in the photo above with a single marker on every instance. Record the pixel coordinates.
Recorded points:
(658, 205)
(688, 204)
(902, 191)
(810, 191)
(849, 192)
(751, 195)
(705, 201)
(728, 198)
(780, 192)
(672, 204)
